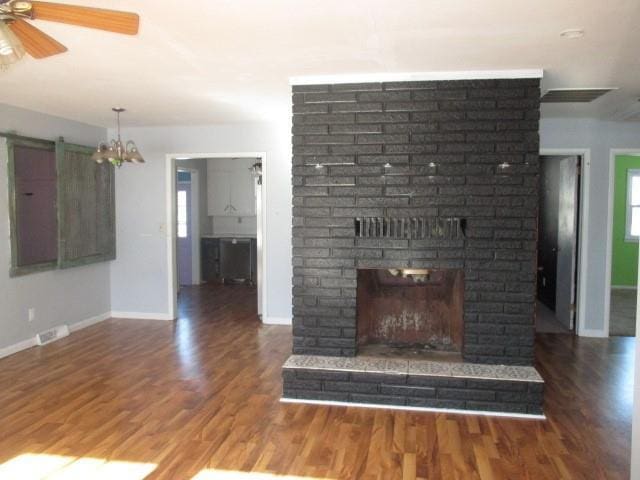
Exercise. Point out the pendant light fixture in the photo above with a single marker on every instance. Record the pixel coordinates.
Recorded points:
(117, 152)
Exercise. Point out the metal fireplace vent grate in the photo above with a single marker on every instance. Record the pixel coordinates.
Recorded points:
(410, 227)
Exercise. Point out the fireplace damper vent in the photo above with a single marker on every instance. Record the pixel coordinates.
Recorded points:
(410, 227)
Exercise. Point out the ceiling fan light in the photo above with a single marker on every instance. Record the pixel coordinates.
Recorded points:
(11, 49)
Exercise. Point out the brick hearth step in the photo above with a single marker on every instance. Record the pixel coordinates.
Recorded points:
(414, 384)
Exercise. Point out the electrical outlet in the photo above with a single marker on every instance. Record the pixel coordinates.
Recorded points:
(32, 314)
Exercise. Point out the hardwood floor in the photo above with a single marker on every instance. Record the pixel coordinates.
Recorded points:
(200, 397)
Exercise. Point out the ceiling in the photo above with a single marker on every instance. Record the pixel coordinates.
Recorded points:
(221, 61)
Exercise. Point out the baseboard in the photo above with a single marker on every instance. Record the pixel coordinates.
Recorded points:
(624, 287)
(276, 320)
(17, 347)
(405, 408)
(587, 332)
(143, 316)
(74, 327)
(31, 342)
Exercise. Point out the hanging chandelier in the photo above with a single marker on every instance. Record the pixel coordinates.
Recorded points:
(117, 152)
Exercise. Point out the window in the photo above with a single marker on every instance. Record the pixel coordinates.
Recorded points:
(632, 232)
(182, 214)
(61, 205)
(35, 238)
(86, 207)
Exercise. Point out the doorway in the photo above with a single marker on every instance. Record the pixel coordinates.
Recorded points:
(623, 235)
(187, 227)
(558, 243)
(231, 222)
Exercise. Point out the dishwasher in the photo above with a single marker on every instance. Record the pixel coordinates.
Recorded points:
(235, 259)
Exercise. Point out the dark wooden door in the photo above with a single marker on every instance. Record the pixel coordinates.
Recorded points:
(548, 232)
(567, 242)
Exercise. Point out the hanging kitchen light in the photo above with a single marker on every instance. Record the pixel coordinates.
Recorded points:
(117, 152)
(256, 170)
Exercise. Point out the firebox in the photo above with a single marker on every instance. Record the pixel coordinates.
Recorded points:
(410, 310)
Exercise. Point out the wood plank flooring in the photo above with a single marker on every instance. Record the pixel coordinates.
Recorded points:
(200, 398)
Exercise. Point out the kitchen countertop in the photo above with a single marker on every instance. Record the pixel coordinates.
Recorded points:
(230, 235)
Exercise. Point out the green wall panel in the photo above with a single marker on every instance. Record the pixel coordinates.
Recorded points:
(624, 262)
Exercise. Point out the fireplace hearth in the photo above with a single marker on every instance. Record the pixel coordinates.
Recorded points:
(414, 244)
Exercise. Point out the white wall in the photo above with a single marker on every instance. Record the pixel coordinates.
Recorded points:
(599, 137)
(229, 226)
(59, 296)
(139, 275)
(635, 431)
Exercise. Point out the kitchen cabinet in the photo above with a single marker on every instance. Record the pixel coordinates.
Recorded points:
(230, 188)
(210, 259)
(218, 192)
(235, 259)
(229, 259)
(242, 196)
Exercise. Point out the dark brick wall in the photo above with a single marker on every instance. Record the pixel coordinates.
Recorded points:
(414, 390)
(464, 149)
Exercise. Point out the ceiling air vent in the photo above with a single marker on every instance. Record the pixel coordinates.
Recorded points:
(573, 95)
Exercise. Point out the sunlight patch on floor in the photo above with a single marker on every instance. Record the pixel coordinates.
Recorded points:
(39, 466)
(210, 474)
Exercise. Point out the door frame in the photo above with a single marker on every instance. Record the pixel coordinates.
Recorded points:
(172, 268)
(613, 153)
(196, 274)
(583, 263)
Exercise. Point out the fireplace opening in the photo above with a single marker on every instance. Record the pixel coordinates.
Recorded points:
(410, 312)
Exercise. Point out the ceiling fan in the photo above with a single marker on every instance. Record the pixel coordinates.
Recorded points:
(17, 36)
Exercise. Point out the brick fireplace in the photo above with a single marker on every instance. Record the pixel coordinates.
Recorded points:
(414, 240)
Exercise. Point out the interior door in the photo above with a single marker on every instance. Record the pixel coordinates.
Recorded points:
(184, 233)
(567, 241)
(259, 233)
(548, 231)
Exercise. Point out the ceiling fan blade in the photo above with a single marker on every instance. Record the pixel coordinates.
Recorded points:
(37, 43)
(110, 20)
